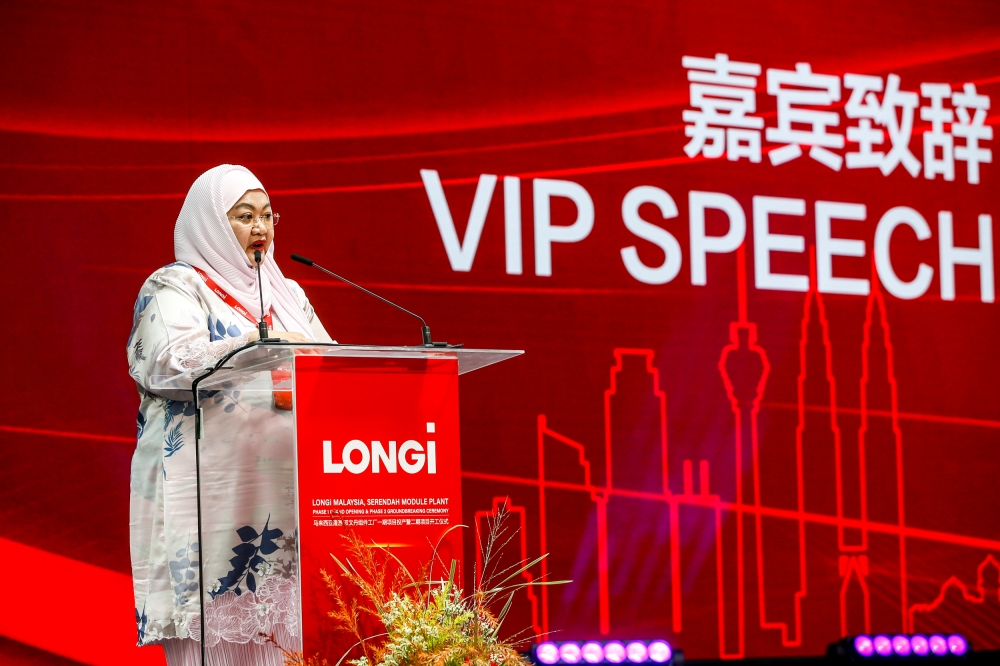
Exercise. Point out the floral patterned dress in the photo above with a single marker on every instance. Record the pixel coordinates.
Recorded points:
(248, 495)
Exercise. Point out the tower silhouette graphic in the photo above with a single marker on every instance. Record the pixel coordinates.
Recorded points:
(790, 559)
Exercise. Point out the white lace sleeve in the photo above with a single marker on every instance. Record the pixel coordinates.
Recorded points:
(202, 352)
(170, 331)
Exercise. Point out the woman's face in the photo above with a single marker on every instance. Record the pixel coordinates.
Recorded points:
(251, 232)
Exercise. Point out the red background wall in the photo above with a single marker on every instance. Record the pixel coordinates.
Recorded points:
(108, 113)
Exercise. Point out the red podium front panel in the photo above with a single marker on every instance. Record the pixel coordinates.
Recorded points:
(377, 444)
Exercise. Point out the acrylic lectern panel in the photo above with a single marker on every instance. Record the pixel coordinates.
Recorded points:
(246, 477)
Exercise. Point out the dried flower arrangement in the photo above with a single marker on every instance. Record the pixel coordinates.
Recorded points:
(424, 621)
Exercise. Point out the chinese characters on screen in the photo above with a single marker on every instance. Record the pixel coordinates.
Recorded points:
(879, 131)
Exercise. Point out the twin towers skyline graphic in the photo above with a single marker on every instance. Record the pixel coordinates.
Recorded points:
(831, 561)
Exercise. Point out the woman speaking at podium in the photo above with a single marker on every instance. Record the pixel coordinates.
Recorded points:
(190, 314)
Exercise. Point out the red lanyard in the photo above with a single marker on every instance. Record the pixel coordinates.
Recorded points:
(230, 301)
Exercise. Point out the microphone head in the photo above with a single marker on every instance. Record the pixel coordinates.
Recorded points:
(256, 256)
(302, 260)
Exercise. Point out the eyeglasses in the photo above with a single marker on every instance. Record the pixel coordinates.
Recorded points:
(248, 219)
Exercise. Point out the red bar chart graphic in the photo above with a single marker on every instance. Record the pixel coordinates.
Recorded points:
(788, 559)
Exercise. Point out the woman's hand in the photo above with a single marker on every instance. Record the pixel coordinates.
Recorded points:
(288, 336)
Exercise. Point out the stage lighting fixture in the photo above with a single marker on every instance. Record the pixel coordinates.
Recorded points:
(593, 653)
(863, 646)
(614, 652)
(939, 645)
(957, 645)
(546, 653)
(660, 652)
(883, 646)
(900, 647)
(571, 653)
(636, 652)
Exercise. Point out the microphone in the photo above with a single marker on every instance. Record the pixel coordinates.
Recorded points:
(425, 330)
(262, 325)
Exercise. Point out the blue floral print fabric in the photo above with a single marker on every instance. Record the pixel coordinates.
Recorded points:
(247, 546)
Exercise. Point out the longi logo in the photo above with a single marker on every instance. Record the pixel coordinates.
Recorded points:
(410, 456)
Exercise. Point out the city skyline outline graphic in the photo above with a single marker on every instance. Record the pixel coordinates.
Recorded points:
(867, 551)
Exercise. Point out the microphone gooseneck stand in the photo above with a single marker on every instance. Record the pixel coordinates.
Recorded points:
(198, 424)
(262, 325)
(425, 330)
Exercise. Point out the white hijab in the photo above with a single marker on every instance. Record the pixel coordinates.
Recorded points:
(204, 239)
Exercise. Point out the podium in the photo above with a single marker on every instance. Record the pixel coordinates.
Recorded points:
(299, 444)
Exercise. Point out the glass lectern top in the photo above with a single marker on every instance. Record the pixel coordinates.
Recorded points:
(264, 357)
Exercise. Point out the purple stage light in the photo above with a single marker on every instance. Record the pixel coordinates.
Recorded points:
(547, 653)
(569, 653)
(660, 652)
(636, 652)
(957, 645)
(919, 645)
(614, 652)
(592, 653)
(882, 645)
(901, 645)
(863, 646)
(939, 645)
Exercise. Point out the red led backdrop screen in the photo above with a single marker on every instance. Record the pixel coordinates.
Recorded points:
(750, 250)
